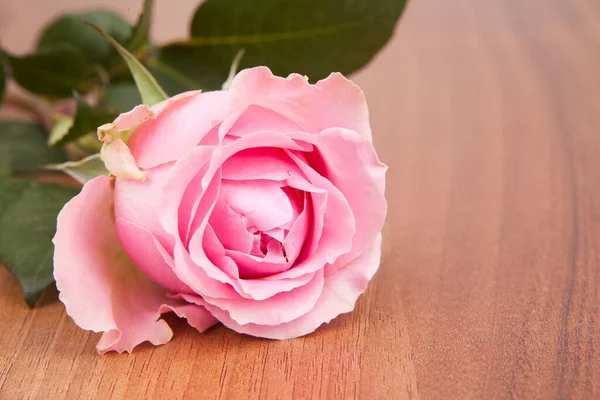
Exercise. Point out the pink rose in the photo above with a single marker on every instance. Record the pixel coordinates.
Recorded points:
(260, 207)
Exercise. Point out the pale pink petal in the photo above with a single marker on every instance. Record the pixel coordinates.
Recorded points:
(198, 203)
(350, 163)
(215, 252)
(230, 227)
(297, 201)
(119, 162)
(191, 165)
(251, 266)
(333, 224)
(277, 233)
(196, 276)
(279, 309)
(206, 268)
(295, 239)
(179, 178)
(137, 202)
(124, 123)
(100, 286)
(261, 288)
(259, 163)
(339, 295)
(200, 273)
(149, 255)
(261, 202)
(332, 102)
(255, 118)
(178, 127)
(197, 316)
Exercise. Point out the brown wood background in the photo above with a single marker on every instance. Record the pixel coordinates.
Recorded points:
(488, 114)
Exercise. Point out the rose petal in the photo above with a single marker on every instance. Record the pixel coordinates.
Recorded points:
(251, 267)
(215, 252)
(137, 203)
(203, 274)
(350, 163)
(339, 295)
(264, 205)
(255, 118)
(281, 308)
(197, 316)
(119, 162)
(196, 276)
(101, 288)
(149, 255)
(332, 102)
(180, 125)
(230, 227)
(259, 163)
(125, 122)
(190, 166)
(332, 213)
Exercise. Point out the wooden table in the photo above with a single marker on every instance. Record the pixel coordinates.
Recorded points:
(488, 114)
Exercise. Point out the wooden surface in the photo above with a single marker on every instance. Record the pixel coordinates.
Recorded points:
(488, 114)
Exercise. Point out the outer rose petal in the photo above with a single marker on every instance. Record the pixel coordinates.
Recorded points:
(181, 123)
(137, 202)
(101, 288)
(149, 255)
(281, 308)
(332, 102)
(340, 292)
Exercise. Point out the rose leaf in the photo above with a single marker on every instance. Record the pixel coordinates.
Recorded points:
(312, 37)
(69, 29)
(23, 147)
(28, 212)
(53, 71)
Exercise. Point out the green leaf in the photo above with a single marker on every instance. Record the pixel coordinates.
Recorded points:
(150, 90)
(23, 146)
(55, 71)
(140, 34)
(82, 170)
(311, 37)
(121, 97)
(69, 29)
(86, 120)
(172, 80)
(28, 212)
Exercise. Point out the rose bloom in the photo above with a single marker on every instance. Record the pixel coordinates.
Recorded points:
(260, 207)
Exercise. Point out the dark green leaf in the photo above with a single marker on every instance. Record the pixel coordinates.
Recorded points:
(150, 91)
(121, 97)
(140, 35)
(23, 146)
(87, 120)
(69, 29)
(173, 81)
(28, 212)
(311, 37)
(55, 71)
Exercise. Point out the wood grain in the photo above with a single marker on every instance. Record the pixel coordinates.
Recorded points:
(488, 114)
